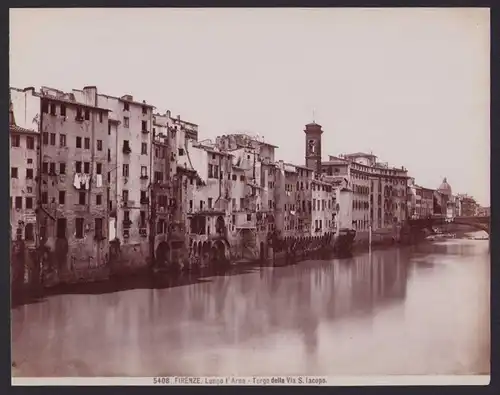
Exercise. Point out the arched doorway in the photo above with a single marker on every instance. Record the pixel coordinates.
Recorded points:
(220, 251)
(220, 225)
(162, 254)
(206, 253)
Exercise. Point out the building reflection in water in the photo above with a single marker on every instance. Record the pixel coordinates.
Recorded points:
(216, 326)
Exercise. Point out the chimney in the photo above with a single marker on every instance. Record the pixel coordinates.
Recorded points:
(90, 95)
(178, 117)
(168, 114)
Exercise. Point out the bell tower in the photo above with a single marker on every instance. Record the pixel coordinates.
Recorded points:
(313, 133)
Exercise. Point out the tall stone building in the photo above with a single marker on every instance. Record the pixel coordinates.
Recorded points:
(73, 214)
(24, 147)
(313, 133)
(129, 159)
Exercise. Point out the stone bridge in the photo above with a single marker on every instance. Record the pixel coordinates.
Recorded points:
(478, 223)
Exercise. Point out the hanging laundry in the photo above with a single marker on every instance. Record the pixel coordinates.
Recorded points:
(76, 181)
(98, 180)
(87, 181)
(83, 176)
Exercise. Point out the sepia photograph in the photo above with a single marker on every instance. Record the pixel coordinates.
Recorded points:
(249, 196)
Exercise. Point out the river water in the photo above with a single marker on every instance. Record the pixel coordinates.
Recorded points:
(417, 310)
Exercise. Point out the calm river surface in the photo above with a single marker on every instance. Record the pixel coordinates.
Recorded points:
(416, 310)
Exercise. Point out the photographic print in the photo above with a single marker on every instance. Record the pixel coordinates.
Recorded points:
(249, 196)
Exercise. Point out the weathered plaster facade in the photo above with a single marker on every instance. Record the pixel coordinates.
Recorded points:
(323, 216)
(74, 185)
(130, 164)
(24, 146)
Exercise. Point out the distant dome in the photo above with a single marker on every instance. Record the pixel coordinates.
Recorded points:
(445, 188)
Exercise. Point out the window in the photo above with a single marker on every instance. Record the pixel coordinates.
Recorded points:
(144, 125)
(45, 107)
(62, 197)
(160, 226)
(13, 172)
(62, 168)
(201, 204)
(78, 167)
(62, 140)
(30, 142)
(210, 171)
(63, 110)
(126, 216)
(144, 148)
(144, 171)
(16, 141)
(52, 168)
(52, 109)
(126, 147)
(98, 200)
(87, 142)
(98, 168)
(52, 139)
(181, 151)
(242, 178)
(99, 145)
(100, 116)
(79, 116)
(45, 197)
(144, 110)
(29, 202)
(109, 129)
(125, 195)
(29, 174)
(144, 196)
(234, 177)
(86, 167)
(87, 114)
(249, 217)
(125, 122)
(143, 219)
(158, 176)
(78, 142)
(45, 138)
(79, 228)
(109, 155)
(210, 200)
(190, 205)
(126, 106)
(61, 228)
(81, 198)
(29, 233)
(125, 170)
(19, 202)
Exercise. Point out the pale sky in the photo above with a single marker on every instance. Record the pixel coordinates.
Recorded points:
(410, 85)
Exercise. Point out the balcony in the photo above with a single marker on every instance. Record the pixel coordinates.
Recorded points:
(143, 232)
(145, 201)
(127, 223)
(144, 131)
(144, 177)
(126, 149)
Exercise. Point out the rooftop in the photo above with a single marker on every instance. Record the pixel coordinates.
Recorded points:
(362, 154)
(18, 129)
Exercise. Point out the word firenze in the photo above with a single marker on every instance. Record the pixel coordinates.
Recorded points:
(274, 380)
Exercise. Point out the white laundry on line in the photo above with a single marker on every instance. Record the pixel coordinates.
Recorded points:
(77, 181)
